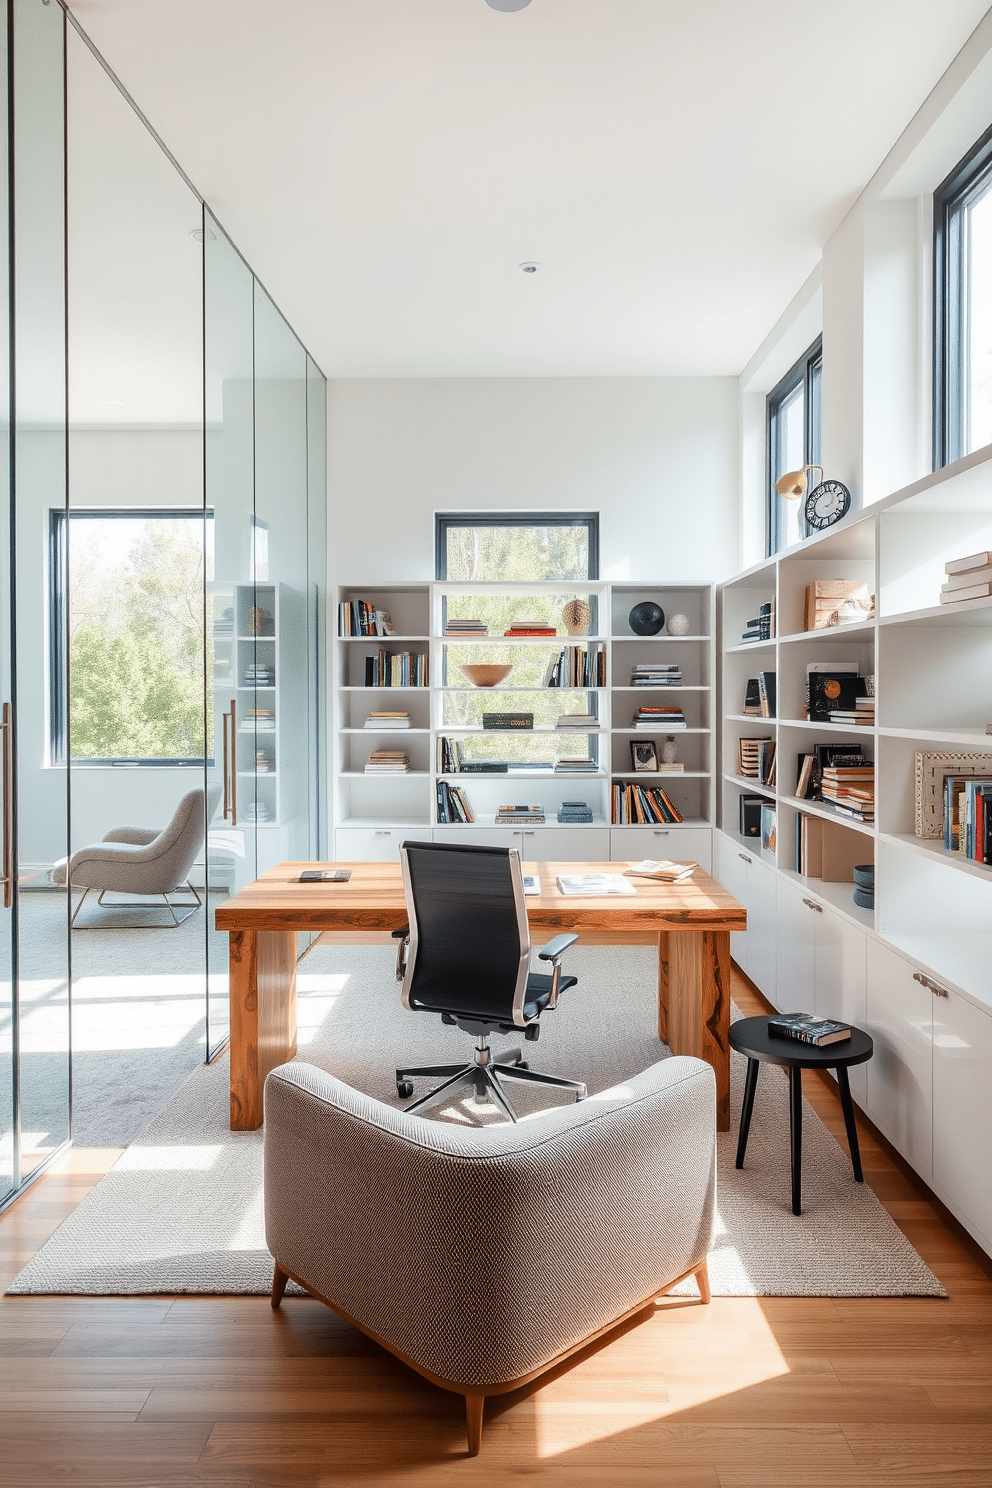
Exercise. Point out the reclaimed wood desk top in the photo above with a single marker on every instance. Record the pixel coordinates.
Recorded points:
(372, 899)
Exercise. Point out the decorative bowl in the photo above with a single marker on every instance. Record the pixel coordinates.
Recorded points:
(485, 674)
(646, 619)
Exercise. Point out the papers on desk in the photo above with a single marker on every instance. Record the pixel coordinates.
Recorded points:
(596, 885)
(663, 871)
(532, 884)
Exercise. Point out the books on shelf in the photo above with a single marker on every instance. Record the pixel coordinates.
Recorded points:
(387, 718)
(461, 630)
(576, 666)
(967, 578)
(357, 617)
(511, 815)
(595, 885)
(847, 667)
(769, 830)
(580, 721)
(931, 771)
(967, 813)
(749, 757)
(762, 626)
(766, 762)
(662, 719)
(827, 850)
(530, 628)
(663, 871)
(396, 669)
(752, 698)
(453, 804)
(850, 789)
(766, 694)
(804, 1028)
(388, 762)
(837, 602)
(832, 689)
(507, 721)
(567, 764)
(654, 674)
(258, 721)
(647, 805)
(750, 815)
(575, 811)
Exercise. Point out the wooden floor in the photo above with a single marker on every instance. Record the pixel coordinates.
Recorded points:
(742, 1394)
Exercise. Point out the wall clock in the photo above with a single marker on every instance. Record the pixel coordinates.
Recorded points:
(826, 504)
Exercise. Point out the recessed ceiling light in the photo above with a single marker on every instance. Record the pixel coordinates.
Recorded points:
(531, 267)
(507, 4)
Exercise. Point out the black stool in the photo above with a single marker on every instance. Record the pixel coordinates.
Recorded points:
(750, 1036)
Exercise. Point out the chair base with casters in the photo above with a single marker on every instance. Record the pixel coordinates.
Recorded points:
(485, 1072)
(170, 904)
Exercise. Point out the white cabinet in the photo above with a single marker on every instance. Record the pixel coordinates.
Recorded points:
(900, 1072)
(962, 1107)
(375, 844)
(753, 884)
(730, 865)
(681, 844)
(795, 970)
(566, 844)
(480, 836)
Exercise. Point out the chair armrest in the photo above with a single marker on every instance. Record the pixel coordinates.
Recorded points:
(136, 836)
(402, 938)
(557, 947)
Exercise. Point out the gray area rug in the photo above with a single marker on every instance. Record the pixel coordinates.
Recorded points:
(182, 1210)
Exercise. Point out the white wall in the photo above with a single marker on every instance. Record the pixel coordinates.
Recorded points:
(656, 456)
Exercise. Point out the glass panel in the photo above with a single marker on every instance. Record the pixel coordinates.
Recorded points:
(790, 437)
(317, 604)
(979, 331)
(529, 552)
(274, 754)
(228, 355)
(8, 1165)
(41, 933)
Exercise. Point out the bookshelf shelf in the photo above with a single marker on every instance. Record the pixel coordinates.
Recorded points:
(370, 809)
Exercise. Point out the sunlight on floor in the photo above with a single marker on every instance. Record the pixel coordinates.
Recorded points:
(140, 1159)
(313, 1008)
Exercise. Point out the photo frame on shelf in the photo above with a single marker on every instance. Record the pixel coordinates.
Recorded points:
(931, 769)
(643, 755)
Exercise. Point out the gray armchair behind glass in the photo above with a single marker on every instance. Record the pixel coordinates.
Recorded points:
(465, 954)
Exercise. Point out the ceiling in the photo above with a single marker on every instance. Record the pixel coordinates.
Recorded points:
(386, 165)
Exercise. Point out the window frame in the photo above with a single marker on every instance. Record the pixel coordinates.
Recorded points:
(951, 198)
(806, 372)
(58, 640)
(444, 520)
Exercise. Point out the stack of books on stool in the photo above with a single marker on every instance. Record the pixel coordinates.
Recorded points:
(864, 885)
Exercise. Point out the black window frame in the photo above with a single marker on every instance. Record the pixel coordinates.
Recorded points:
(970, 178)
(807, 373)
(58, 654)
(444, 520)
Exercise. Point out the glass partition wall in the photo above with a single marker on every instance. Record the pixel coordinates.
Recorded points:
(162, 595)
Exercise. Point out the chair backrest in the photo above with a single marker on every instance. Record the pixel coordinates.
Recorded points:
(178, 844)
(469, 941)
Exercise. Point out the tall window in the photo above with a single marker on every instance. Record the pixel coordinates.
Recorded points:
(528, 546)
(133, 583)
(793, 424)
(962, 223)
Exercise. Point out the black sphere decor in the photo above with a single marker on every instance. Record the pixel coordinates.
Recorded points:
(646, 619)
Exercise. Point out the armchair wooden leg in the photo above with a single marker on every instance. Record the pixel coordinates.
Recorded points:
(473, 1422)
(703, 1283)
(279, 1280)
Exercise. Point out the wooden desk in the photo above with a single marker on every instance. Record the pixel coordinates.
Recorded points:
(692, 923)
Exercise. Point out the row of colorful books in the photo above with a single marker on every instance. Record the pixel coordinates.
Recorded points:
(643, 804)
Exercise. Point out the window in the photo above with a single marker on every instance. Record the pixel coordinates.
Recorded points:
(962, 257)
(132, 582)
(793, 427)
(527, 546)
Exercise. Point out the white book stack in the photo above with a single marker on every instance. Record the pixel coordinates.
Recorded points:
(967, 578)
(388, 762)
(387, 720)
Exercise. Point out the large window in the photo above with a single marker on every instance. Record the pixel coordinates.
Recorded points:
(793, 423)
(962, 220)
(133, 583)
(521, 546)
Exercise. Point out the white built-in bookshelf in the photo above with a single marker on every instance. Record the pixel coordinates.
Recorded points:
(375, 813)
(916, 968)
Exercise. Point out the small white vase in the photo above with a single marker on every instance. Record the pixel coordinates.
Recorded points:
(668, 750)
(678, 625)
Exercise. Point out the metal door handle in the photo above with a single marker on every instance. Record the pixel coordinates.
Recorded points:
(380, 833)
(529, 833)
(660, 834)
(925, 981)
(7, 877)
(744, 857)
(228, 730)
(813, 905)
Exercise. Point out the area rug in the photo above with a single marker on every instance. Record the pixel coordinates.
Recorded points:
(181, 1212)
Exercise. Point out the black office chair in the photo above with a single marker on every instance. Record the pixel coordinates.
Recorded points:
(466, 955)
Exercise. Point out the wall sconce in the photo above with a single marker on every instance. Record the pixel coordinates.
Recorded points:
(794, 485)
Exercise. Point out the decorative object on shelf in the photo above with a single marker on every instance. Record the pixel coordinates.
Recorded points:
(837, 602)
(643, 755)
(678, 625)
(761, 627)
(507, 720)
(967, 578)
(576, 617)
(485, 674)
(864, 885)
(668, 750)
(826, 503)
(260, 622)
(646, 618)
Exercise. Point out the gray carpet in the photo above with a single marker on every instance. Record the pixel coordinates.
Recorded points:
(182, 1210)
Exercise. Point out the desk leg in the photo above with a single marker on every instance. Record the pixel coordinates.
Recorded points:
(694, 1003)
(263, 1016)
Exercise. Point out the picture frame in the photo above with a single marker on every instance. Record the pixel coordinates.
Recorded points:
(643, 755)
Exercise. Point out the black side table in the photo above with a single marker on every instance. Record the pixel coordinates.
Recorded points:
(750, 1036)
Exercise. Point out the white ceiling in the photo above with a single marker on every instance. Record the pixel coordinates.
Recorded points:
(385, 165)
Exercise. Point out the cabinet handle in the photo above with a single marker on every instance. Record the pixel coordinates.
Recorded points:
(744, 857)
(930, 986)
(7, 878)
(529, 833)
(228, 724)
(813, 905)
(380, 833)
(664, 833)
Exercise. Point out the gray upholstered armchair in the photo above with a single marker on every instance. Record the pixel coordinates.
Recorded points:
(144, 860)
(483, 1258)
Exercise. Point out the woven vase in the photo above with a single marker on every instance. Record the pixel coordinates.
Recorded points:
(576, 617)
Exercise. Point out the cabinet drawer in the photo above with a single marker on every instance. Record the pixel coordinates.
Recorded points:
(479, 836)
(900, 1072)
(375, 844)
(681, 844)
(566, 844)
